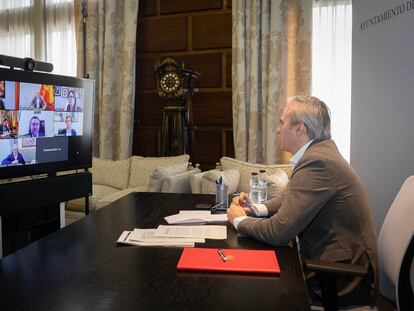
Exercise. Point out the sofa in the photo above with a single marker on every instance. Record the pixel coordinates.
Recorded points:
(236, 174)
(112, 180)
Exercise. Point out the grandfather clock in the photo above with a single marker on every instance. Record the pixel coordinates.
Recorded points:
(175, 86)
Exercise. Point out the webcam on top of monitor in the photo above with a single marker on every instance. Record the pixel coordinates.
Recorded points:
(27, 63)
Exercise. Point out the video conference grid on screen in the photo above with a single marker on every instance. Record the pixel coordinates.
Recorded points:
(37, 120)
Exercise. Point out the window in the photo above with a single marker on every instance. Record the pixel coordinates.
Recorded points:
(331, 65)
(43, 30)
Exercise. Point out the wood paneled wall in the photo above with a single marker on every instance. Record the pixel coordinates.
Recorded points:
(198, 33)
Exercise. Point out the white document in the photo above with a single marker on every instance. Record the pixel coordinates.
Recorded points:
(195, 213)
(206, 232)
(191, 217)
(147, 235)
(124, 239)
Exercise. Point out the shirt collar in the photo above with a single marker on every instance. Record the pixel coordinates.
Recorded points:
(299, 154)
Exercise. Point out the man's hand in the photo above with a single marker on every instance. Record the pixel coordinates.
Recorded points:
(244, 200)
(234, 211)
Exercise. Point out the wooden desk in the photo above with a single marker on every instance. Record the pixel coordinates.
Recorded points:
(81, 267)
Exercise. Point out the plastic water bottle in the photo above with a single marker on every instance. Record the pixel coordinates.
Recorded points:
(254, 187)
(263, 186)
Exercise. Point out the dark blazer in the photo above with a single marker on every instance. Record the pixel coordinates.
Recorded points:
(4, 129)
(324, 205)
(38, 102)
(41, 134)
(10, 158)
(63, 132)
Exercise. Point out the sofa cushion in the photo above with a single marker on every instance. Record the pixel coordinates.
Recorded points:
(195, 182)
(246, 168)
(142, 168)
(276, 184)
(110, 173)
(179, 183)
(115, 196)
(76, 205)
(99, 192)
(157, 177)
(231, 177)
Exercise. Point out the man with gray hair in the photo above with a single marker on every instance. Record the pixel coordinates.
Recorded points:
(15, 158)
(324, 204)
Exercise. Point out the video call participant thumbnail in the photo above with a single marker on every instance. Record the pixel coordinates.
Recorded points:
(52, 149)
(4, 127)
(68, 131)
(72, 102)
(9, 124)
(68, 99)
(38, 102)
(15, 158)
(35, 123)
(2, 105)
(34, 96)
(35, 128)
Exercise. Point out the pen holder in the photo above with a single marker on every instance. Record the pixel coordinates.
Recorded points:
(222, 196)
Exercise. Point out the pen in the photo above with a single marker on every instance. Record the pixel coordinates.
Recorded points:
(216, 206)
(126, 237)
(249, 205)
(222, 256)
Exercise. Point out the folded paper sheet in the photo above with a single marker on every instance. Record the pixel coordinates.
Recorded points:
(204, 232)
(192, 217)
(145, 237)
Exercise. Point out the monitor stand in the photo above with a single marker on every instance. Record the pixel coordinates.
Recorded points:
(35, 207)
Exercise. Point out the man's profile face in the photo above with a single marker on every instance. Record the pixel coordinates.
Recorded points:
(68, 122)
(287, 131)
(34, 126)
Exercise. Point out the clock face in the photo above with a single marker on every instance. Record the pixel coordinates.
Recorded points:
(170, 82)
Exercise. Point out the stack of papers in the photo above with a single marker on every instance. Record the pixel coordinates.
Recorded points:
(190, 217)
(175, 236)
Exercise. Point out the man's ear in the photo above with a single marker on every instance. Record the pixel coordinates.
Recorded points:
(300, 129)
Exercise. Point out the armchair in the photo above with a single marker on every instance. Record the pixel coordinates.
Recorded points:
(395, 252)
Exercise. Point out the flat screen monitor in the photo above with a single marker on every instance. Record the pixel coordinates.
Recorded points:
(46, 123)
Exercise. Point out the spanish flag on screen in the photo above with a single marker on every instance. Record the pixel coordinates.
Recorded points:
(47, 92)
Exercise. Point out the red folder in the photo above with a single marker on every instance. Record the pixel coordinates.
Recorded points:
(238, 260)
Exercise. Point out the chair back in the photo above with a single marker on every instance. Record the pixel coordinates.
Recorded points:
(393, 244)
(405, 286)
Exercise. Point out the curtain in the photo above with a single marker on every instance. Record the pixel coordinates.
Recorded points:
(43, 30)
(110, 58)
(60, 36)
(271, 55)
(331, 65)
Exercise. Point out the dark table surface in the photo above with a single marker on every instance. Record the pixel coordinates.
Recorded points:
(82, 268)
